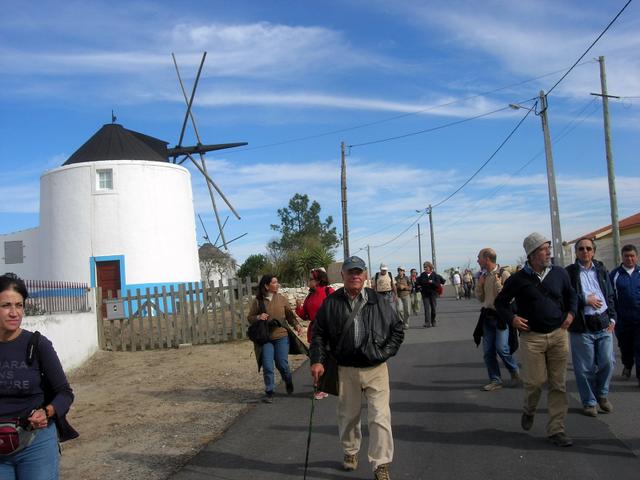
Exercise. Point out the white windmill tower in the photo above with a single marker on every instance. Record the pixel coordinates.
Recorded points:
(119, 212)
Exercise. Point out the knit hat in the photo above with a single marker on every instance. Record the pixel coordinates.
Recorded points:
(533, 241)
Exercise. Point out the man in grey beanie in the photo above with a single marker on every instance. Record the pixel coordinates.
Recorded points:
(546, 304)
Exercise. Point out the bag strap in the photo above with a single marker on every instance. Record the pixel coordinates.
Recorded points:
(32, 347)
(349, 323)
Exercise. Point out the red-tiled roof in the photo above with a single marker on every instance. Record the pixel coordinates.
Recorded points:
(625, 223)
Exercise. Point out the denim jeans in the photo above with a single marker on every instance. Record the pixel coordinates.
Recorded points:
(495, 342)
(39, 461)
(278, 351)
(591, 357)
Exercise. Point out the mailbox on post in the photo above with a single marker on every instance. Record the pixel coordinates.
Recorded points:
(115, 308)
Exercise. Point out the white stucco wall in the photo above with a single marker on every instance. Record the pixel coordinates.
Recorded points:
(148, 218)
(74, 335)
(29, 269)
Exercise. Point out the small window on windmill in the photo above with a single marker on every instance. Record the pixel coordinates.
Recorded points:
(105, 179)
(13, 252)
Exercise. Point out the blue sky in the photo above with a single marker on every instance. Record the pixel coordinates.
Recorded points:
(279, 71)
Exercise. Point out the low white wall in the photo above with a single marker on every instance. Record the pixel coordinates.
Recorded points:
(74, 335)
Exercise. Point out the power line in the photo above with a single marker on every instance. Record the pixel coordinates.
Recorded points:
(590, 47)
(433, 129)
(487, 161)
(358, 239)
(401, 233)
(397, 117)
(569, 128)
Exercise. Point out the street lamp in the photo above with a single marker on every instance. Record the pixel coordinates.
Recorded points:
(556, 233)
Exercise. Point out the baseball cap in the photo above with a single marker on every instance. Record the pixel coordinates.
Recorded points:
(353, 262)
(383, 266)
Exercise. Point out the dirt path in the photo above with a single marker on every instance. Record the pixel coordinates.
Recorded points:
(143, 414)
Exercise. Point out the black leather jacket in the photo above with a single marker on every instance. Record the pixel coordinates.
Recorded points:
(383, 327)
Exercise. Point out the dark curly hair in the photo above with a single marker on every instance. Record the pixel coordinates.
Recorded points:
(10, 281)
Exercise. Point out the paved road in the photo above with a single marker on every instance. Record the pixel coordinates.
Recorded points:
(444, 426)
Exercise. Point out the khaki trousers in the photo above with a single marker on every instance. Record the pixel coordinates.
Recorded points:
(374, 383)
(544, 359)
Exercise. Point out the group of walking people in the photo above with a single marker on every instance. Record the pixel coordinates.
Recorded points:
(543, 310)
(406, 293)
(556, 311)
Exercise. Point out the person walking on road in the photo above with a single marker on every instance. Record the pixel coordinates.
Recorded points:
(546, 305)
(362, 332)
(319, 289)
(591, 331)
(403, 287)
(384, 284)
(415, 301)
(270, 306)
(495, 331)
(467, 283)
(626, 285)
(457, 284)
(429, 283)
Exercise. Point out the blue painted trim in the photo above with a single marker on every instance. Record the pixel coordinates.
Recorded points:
(107, 258)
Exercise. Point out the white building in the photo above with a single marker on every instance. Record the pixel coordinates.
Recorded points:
(117, 214)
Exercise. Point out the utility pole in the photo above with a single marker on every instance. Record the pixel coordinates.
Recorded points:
(551, 182)
(613, 198)
(419, 248)
(369, 261)
(343, 189)
(433, 243)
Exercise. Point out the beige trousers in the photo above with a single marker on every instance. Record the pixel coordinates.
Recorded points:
(374, 383)
(544, 359)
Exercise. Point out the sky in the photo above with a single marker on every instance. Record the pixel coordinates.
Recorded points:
(399, 82)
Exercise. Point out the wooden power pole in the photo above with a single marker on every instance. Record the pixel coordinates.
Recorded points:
(613, 198)
(343, 189)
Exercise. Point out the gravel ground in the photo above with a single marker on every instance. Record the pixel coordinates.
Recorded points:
(142, 415)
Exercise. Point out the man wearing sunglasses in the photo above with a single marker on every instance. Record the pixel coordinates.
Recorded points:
(591, 331)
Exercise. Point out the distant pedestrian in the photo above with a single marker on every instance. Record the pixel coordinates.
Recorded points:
(626, 285)
(591, 331)
(430, 284)
(467, 283)
(384, 284)
(362, 332)
(319, 290)
(546, 304)
(457, 284)
(415, 300)
(403, 287)
(495, 330)
(270, 306)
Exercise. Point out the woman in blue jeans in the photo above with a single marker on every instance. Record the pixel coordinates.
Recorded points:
(270, 306)
(33, 409)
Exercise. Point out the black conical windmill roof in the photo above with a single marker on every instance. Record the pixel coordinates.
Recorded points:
(114, 142)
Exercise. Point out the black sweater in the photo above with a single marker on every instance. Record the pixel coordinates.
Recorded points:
(544, 305)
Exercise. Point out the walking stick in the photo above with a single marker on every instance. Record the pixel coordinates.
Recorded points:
(313, 404)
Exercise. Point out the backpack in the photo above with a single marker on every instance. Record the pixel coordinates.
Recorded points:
(388, 273)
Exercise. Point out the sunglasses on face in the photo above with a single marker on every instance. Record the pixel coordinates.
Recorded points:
(585, 249)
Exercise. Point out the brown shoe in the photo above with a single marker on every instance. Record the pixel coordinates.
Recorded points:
(382, 472)
(526, 421)
(350, 462)
(490, 387)
(590, 411)
(605, 405)
(561, 440)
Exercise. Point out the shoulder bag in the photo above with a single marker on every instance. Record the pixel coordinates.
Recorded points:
(258, 331)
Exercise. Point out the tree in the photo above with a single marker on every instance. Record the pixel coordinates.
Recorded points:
(254, 266)
(214, 261)
(300, 221)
